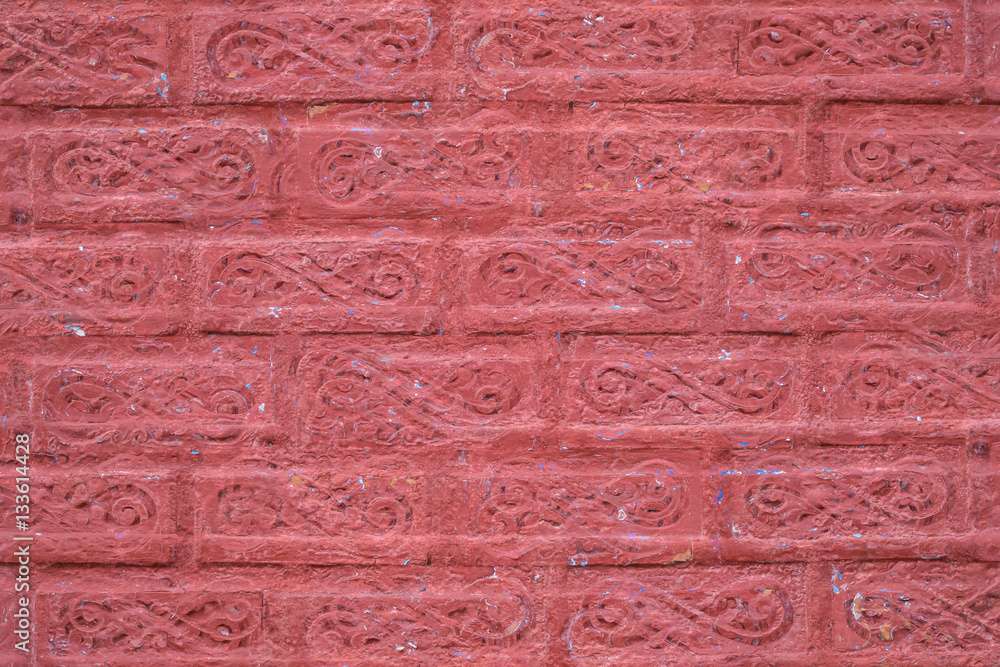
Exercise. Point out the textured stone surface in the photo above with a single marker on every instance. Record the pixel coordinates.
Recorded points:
(477, 332)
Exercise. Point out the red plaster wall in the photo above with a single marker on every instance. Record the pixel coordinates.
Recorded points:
(502, 333)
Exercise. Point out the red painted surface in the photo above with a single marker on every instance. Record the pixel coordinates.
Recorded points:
(500, 333)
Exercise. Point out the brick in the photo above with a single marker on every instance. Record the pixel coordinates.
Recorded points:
(484, 614)
(594, 276)
(650, 380)
(910, 149)
(406, 159)
(984, 29)
(82, 626)
(779, 502)
(323, 53)
(97, 518)
(850, 266)
(307, 516)
(106, 288)
(581, 512)
(883, 378)
(158, 173)
(911, 608)
(423, 392)
(90, 58)
(511, 51)
(694, 149)
(148, 396)
(849, 41)
(682, 613)
(332, 287)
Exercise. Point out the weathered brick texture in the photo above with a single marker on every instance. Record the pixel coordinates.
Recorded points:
(497, 333)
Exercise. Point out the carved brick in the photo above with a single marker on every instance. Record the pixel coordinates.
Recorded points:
(911, 149)
(876, 493)
(664, 150)
(649, 380)
(682, 613)
(311, 516)
(142, 394)
(828, 40)
(914, 610)
(859, 268)
(484, 614)
(415, 391)
(886, 377)
(338, 52)
(97, 518)
(584, 512)
(89, 58)
(594, 276)
(390, 159)
(197, 173)
(98, 625)
(342, 287)
(515, 51)
(102, 289)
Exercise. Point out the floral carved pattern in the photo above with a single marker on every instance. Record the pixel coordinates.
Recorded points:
(892, 154)
(632, 390)
(484, 614)
(798, 42)
(888, 381)
(373, 400)
(126, 279)
(96, 397)
(752, 611)
(913, 259)
(349, 506)
(355, 167)
(248, 278)
(522, 275)
(204, 169)
(649, 498)
(907, 609)
(272, 48)
(792, 501)
(154, 622)
(83, 58)
(509, 53)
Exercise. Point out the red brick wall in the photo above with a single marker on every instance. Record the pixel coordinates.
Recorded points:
(502, 333)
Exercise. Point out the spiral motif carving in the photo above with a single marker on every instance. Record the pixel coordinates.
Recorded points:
(800, 42)
(750, 387)
(511, 53)
(647, 499)
(872, 161)
(801, 504)
(212, 169)
(752, 611)
(257, 53)
(612, 389)
(269, 509)
(156, 622)
(349, 170)
(90, 58)
(482, 614)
